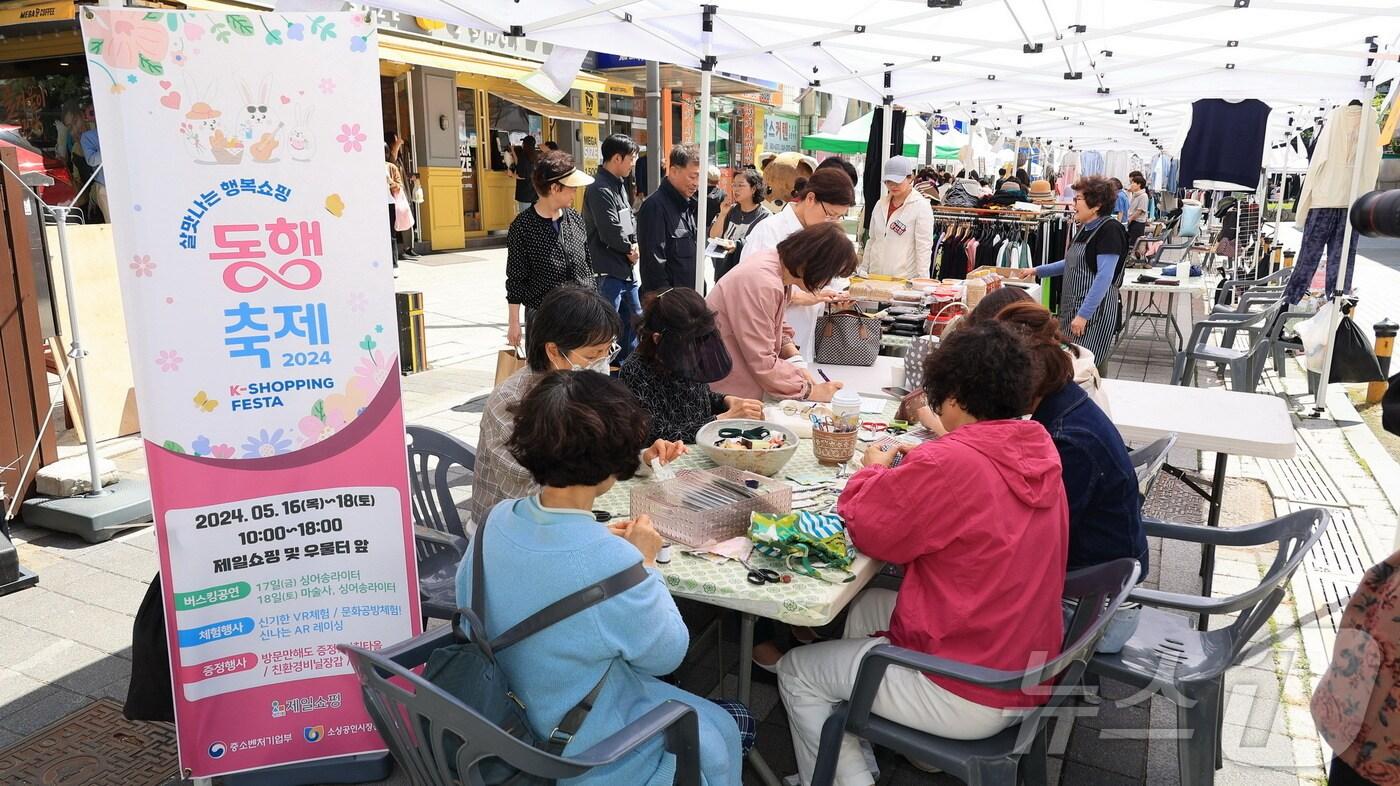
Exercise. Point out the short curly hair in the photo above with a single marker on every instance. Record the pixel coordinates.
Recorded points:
(578, 428)
(985, 368)
(1098, 192)
(818, 254)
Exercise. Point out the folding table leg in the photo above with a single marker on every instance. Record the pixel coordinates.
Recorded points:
(1217, 495)
(756, 760)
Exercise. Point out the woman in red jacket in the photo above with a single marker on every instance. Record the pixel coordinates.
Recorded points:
(979, 521)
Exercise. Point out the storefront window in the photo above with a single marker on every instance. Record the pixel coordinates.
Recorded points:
(510, 123)
(46, 115)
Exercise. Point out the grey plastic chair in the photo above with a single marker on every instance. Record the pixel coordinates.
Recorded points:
(1099, 591)
(1167, 653)
(1245, 365)
(436, 462)
(1148, 462)
(419, 722)
(1230, 290)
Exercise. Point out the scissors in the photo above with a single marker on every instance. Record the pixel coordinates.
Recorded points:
(757, 432)
(761, 576)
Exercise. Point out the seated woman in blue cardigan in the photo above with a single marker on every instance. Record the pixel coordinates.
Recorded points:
(578, 433)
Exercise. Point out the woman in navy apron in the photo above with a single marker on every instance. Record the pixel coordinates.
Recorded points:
(1092, 269)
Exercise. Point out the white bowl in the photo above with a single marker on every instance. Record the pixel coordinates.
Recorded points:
(760, 462)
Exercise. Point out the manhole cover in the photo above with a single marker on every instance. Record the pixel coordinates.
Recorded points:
(94, 745)
(1172, 500)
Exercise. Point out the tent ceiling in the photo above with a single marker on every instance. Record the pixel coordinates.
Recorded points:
(1012, 53)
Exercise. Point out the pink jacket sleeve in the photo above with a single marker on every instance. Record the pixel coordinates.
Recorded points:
(752, 310)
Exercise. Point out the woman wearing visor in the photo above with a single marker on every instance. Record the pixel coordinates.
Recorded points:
(679, 352)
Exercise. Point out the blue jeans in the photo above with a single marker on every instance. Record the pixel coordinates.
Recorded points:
(623, 296)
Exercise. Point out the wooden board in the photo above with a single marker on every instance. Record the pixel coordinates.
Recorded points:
(107, 367)
(24, 390)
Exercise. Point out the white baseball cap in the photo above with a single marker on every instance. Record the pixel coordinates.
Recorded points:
(897, 168)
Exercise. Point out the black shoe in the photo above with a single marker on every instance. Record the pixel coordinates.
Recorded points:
(409, 255)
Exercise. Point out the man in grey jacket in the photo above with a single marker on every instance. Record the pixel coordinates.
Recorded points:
(612, 234)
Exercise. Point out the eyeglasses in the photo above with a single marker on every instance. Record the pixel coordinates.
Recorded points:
(837, 216)
(1079, 198)
(257, 109)
(614, 350)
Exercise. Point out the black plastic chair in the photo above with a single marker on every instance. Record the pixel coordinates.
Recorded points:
(1148, 462)
(437, 462)
(1167, 650)
(1098, 590)
(420, 722)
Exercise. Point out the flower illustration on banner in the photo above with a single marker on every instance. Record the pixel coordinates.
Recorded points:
(327, 85)
(358, 301)
(328, 416)
(131, 79)
(296, 31)
(131, 44)
(117, 89)
(222, 451)
(142, 266)
(264, 444)
(351, 137)
(201, 446)
(193, 31)
(357, 43)
(169, 360)
(373, 369)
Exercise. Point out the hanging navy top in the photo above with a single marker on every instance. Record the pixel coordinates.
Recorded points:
(1225, 143)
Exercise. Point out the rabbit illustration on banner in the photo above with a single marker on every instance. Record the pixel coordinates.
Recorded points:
(204, 141)
(300, 141)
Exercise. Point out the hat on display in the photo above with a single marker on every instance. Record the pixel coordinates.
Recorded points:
(202, 111)
(897, 168)
(1040, 191)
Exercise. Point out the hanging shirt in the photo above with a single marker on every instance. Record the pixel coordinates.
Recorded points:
(1091, 163)
(1225, 147)
(1328, 183)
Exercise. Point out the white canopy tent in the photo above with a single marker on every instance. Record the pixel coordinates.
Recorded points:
(1103, 72)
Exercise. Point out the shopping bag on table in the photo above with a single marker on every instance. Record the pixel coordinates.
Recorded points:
(508, 361)
(803, 541)
(848, 338)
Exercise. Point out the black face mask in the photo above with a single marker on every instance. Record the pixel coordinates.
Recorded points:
(696, 359)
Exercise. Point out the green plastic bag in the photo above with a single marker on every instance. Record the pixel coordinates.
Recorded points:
(804, 541)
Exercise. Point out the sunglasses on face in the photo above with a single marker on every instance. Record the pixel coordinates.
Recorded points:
(257, 109)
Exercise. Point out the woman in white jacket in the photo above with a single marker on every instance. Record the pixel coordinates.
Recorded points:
(900, 243)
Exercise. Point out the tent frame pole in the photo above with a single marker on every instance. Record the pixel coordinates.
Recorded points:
(657, 148)
(1338, 295)
(707, 67)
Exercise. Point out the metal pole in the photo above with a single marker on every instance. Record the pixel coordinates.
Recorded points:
(656, 146)
(1278, 214)
(1339, 290)
(77, 353)
(707, 65)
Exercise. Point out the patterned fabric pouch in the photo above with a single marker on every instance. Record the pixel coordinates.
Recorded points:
(804, 541)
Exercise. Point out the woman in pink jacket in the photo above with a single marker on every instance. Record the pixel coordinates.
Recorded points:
(978, 519)
(749, 303)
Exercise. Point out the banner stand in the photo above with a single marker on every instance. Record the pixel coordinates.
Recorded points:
(362, 768)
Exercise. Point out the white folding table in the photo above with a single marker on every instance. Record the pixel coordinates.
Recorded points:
(1221, 421)
(1178, 312)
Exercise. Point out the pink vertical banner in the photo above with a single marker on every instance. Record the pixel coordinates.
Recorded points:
(243, 160)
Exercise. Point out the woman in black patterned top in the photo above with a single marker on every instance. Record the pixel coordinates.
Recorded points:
(679, 352)
(548, 245)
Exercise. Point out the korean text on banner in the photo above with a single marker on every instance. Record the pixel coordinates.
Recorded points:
(245, 172)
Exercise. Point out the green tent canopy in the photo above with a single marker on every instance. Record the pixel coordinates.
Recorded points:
(853, 136)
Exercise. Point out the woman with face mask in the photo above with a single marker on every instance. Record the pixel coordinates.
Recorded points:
(679, 352)
(749, 303)
(575, 329)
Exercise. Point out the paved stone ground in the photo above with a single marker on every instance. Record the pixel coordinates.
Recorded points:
(67, 641)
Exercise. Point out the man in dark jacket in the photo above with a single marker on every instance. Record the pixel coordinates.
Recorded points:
(612, 234)
(666, 224)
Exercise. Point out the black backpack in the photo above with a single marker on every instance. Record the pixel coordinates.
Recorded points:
(468, 669)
